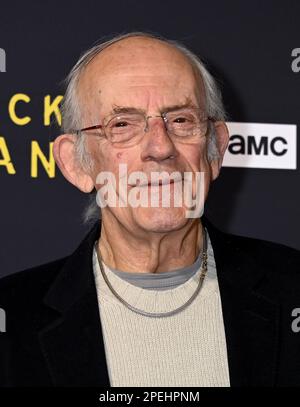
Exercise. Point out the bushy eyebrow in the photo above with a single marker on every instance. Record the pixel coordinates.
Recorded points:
(128, 109)
(179, 106)
(188, 103)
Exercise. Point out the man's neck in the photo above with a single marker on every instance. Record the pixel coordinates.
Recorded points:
(124, 249)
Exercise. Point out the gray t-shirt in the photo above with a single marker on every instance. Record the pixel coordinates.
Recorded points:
(162, 280)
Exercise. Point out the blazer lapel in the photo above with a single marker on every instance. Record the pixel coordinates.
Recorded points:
(72, 342)
(250, 313)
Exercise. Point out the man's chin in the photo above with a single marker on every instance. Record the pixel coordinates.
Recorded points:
(160, 219)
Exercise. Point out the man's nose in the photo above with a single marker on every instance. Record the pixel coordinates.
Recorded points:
(157, 143)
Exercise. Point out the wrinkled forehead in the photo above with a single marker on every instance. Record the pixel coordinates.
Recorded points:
(139, 68)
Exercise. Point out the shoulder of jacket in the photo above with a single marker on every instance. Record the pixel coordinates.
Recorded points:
(272, 255)
(30, 282)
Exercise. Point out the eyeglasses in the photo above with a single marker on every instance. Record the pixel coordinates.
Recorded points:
(126, 129)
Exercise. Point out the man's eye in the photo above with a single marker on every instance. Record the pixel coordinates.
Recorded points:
(180, 120)
(121, 124)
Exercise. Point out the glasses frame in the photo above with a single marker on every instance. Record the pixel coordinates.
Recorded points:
(162, 116)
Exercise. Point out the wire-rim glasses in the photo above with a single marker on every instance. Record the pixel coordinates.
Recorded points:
(127, 128)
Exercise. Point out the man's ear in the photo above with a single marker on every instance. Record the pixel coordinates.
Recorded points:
(222, 139)
(64, 155)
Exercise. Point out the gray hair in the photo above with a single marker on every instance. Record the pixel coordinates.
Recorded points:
(72, 111)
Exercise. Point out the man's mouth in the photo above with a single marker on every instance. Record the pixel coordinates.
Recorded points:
(160, 181)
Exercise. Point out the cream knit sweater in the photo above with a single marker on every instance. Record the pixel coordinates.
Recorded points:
(185, 349)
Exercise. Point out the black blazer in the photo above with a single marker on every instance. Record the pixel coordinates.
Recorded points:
(53, 332)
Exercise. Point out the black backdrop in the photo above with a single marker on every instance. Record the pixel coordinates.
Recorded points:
(248, 46)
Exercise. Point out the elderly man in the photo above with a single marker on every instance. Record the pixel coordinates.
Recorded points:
(155, 295)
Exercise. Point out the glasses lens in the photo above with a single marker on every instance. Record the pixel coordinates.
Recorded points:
(124, 128)
(186, 123)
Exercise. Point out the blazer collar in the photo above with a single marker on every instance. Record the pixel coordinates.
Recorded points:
(76, 276)
(248, 291)
(73, 343)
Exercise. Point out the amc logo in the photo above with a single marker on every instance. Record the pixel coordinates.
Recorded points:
(261, 145)
(252, 145)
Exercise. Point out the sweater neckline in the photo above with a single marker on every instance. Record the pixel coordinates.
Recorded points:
(154, 300)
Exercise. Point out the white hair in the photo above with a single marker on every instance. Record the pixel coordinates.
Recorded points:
(72, 109)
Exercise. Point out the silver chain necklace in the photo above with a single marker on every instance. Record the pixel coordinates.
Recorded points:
(163, 314)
